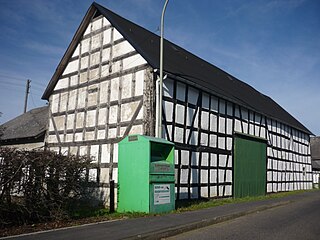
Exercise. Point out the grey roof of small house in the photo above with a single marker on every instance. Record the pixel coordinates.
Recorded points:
(315, 152)
(31, 124)
(183, 64)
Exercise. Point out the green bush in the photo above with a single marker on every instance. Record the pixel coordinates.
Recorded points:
(40, 185)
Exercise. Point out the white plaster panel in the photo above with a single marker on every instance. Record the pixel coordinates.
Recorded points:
(78, 137)
(221, 175)
(69, 137)
(93, 96)
(229, 126)
(168, 87)
(122, 48)
(59, 120)
(85, 45)
(97, 24)
(204, 139)
(82, 94)
(70, 121)
(178, 133)
(105, 153)
(204, 176)
(213, 140)
(83, 77)
(104, 175)
(184, 157)
(114, 89)
(52, 139)
(116, 35)
(94, 74)
(94, 58)
(101, 134)
(104, 92)
(204, 120)
(179, 114)
(74, 80)
(94, 153)
(181, 91)
(204, 192)
(102, 116)
(80, 120)
(105, 22)
(76, 52)
(106, 55)
(126, 82)
(84, 63)
(71, 67)
(96, 41)
(184, 176)
(107, 36)
(62, 83)
(221, 143)
(89, 136)
(139, 83)
(168, 107)
(112, 133)
(127, 110)
(133, 61)
(113, 112)
(205, 159)
(72, 99)
(229, 143)
(115, 153)
(63, 102)
(213, 123)
(193, 95)
(222, 125)
(137, 129)
(213, 176)
(91, 118)
(213, 191)
(251, 127)
(228, 190)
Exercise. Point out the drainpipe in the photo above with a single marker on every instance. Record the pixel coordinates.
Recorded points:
(160, 92)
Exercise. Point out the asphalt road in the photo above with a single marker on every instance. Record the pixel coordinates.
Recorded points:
(297, 220)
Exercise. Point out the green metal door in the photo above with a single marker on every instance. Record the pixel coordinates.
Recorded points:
(249, 166)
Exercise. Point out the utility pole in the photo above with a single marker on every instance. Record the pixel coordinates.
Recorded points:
(26, 96)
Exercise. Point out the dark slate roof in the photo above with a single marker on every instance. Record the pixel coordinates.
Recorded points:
(31, 124)
(183, 64)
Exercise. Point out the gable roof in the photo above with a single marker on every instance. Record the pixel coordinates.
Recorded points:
(31, 124)
(179, 63)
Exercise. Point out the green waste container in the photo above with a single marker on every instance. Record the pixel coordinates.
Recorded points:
(146, 175)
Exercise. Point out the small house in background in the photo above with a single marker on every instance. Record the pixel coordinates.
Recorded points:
(230, 139)
(315, 158)
(26, 131)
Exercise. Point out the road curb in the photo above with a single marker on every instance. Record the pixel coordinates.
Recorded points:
(168, 232)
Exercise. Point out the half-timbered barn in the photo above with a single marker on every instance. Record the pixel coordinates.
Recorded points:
(230, 139)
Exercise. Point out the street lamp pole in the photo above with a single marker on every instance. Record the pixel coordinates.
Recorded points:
(159, 117)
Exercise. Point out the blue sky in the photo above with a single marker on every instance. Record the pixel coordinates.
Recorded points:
(272, 45)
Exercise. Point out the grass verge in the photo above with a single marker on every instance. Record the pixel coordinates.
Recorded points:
(91, 215)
